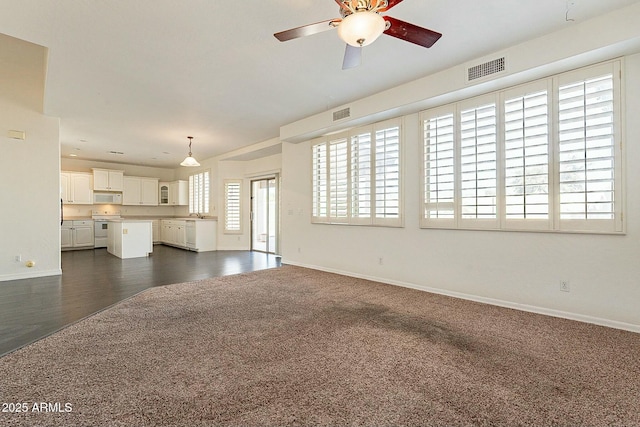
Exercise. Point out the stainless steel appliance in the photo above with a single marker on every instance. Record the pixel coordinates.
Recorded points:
(101, 226)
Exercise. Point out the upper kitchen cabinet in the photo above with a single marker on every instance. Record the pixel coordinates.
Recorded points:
(175, 193)
(108, 180)
(140, 191)
(76, 188)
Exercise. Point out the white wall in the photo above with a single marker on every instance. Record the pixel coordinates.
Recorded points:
(30, 184)
(515, 269)
(246, 171)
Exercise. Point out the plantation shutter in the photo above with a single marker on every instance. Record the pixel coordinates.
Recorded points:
(232, 213)
(526, 157)
(361, 177)
(338, 180)
(199, 193)
(438, 168)
(387, 175)
(587, 150)
(478, 165)
(319, 186)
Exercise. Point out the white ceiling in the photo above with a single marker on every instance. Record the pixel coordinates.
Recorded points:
(139, 76)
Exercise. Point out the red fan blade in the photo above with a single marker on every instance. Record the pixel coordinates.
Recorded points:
(352, 57)
(390, 4)
(411, 33)
(306, 30)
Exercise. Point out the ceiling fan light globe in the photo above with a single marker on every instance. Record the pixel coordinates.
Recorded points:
(189, 162)
(361, 28)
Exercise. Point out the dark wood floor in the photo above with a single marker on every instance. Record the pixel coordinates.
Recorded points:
(92, 280)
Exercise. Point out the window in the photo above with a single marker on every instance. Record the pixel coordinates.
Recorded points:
(199, 193)
(357, 176)
(361, 157)
(587, 149)
(320, 191)
(338, 178)
(439, 178)
(232, 206)
(526, 155)
(387, 173)
(478, 162)
(542, 156)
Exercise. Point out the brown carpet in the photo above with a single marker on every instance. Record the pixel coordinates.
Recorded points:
(293, 346)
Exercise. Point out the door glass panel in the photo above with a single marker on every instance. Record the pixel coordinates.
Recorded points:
(271, 238)
(263, 215)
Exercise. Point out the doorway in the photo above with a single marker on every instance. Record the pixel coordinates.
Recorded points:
(264, 215)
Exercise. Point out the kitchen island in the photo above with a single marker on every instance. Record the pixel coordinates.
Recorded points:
(130, 238)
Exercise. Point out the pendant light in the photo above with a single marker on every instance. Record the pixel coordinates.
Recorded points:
(189, 161)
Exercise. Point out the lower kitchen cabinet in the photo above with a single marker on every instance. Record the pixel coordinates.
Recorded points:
(201, 235)
(77, 234)
(173, 233)
(155, 231)
(196, 235)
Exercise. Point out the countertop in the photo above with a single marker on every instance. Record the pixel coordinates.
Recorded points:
(144, 217)
(177, 218)
(129, 220)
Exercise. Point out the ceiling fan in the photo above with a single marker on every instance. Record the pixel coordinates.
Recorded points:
(361, 24)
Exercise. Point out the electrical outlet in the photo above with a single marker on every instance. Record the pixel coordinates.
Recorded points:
(18, 258)
(564, 285)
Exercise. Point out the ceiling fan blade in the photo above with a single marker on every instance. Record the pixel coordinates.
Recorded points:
(411, 33)
(390, 4)
(342, 6)
(307, 30)
(352, 57)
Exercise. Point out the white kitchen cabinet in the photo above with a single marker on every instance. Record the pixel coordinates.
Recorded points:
(194, 234)
(77, 234)
(201, 235)
(179, 193)
(108, 180)
(163, 193)
(140, 191)
(173, 233)
(175, 193)
(129, 238)
(155, 230)
(76, 188)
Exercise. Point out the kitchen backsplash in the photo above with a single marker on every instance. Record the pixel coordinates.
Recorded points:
(86, 210)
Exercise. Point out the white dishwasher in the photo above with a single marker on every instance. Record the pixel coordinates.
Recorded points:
(190, 228)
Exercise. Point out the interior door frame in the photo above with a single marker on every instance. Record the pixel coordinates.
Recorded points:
(276, 233)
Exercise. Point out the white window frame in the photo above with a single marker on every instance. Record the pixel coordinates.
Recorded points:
(330, 186)
(554, 222)
(200, 194)
(233, 206)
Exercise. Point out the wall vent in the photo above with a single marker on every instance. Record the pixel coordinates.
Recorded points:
(485, 69)
(341, 114)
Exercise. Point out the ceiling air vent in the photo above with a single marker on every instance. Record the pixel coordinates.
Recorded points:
(341, 114)
(486, 69)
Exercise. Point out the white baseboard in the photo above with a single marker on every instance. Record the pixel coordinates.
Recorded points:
(30, 275)
(500, 303)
